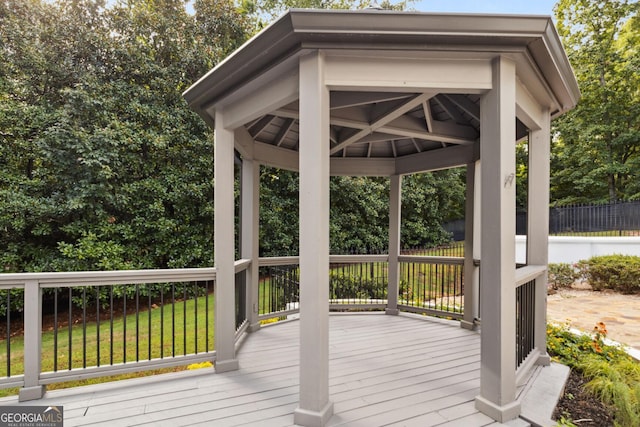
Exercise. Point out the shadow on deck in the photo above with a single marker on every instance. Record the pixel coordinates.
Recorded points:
(384, 370)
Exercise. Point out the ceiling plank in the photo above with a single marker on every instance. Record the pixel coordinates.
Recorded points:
(260, 125)
(465, 104)
(443, 158)
(450, 108)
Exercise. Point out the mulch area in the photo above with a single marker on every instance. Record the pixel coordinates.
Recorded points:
(581, 407)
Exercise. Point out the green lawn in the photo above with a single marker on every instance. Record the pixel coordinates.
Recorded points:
(153, 334)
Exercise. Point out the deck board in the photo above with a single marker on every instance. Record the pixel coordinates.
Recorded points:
(384, 370)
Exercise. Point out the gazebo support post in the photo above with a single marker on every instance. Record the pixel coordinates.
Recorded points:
(470, 270)
(497, 153)
(223, 247)
(314, 408)
(250, 240)
(538, 227)
(395, 202)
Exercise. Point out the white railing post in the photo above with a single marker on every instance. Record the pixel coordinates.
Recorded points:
(250, 222)
(395, 202)
(224, 244)
(538, 227)
(471, 289)
(32, 342)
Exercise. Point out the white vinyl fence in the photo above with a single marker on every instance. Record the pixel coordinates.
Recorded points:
(571, 249)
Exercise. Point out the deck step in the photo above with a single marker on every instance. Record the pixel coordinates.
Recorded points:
(542, 393)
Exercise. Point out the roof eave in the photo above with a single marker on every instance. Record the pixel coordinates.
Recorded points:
(330, 28)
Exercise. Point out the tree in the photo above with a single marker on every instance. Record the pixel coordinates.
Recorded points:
(428, 201)
(106, 166)
(596, 146)
(274, 8)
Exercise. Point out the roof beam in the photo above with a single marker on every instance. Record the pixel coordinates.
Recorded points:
(260, 125)
(528, 110)
(373, 72)
(284, 130)
(277, 157)
(243, 142)
(263, 100)
(444, 158)
(384, 119)
(344, 99)
(362, 166)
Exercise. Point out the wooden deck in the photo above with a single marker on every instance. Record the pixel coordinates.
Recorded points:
(385, 370)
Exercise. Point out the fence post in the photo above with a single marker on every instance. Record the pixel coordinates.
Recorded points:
(32, 342)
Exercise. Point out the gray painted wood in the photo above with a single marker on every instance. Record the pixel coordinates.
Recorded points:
(384, 370)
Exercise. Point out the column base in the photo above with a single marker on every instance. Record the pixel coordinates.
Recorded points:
(392, 311)
(499, 413)
(254, 327)
(544, 360)
(306, 418)
(31, 393)
(472, 326)
(226, 366)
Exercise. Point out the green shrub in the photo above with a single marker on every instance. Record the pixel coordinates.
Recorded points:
(353, 287)
(616, 272)
(562, 275)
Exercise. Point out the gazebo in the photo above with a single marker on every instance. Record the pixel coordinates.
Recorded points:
(385, 93)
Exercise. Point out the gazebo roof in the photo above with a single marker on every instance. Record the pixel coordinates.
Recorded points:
(384, 122)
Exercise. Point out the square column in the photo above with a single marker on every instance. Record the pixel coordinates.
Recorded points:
(314, 409)
(249, 223)
(497, 270)
(224, 247)
(395, 203)
(538, 226)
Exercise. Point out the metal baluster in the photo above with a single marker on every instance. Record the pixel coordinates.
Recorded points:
(70, 315)
(162, 322)
(206, 316)
(111, 325)
(184, 319)
(98, 324)
(8, 312)
(124, 325)
(137, 322)
(149, 319)
(84, 327)
(173, 320)
(195, 328)
(55, 331)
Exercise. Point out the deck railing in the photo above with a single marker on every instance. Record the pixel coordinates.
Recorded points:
(428, 284)
(109, 323)
(104, 323)
(432, 285)
(527, 280)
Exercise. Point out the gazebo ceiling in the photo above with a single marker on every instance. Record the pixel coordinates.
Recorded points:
(381, 124)
(386, 122)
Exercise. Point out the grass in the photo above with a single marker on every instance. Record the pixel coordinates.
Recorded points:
(156, 336)
(614, 377)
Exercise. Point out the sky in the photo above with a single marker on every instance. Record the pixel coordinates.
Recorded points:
(530, 7)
